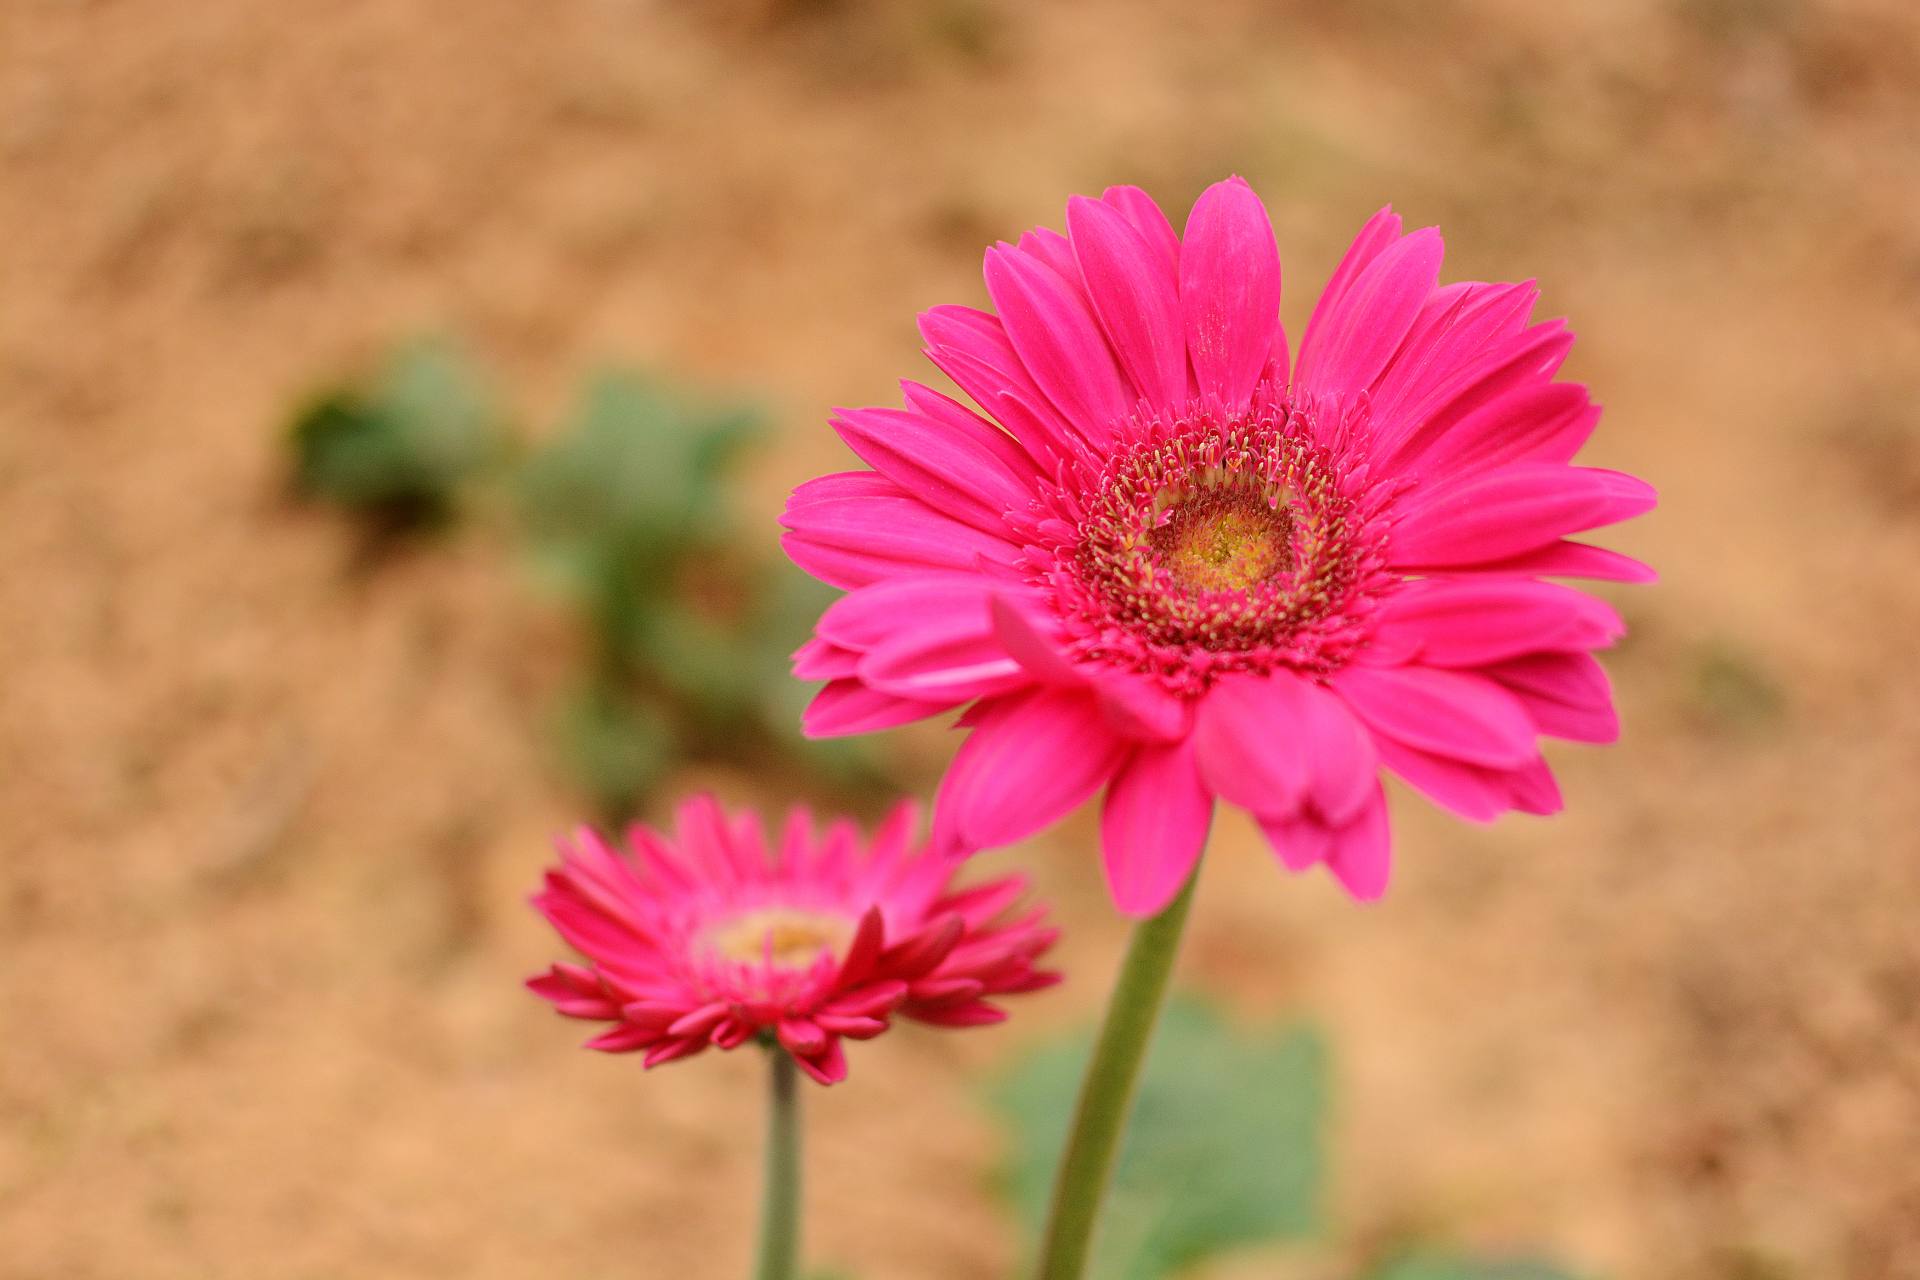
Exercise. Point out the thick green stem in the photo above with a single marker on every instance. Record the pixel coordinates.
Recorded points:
(778, 1257)
(1106, 1093)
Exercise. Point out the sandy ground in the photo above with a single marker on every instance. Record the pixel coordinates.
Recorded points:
(266, 821)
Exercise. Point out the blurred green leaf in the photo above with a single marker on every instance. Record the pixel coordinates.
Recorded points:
(400, 449)
(619, 747)
(635, 482)
(1442, 1267)
(1224, 1149)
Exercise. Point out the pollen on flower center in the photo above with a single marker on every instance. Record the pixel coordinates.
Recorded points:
(785, 937)
(1225, 539)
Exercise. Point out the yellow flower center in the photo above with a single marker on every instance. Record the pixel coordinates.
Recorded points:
(788, 937)
(1225, 540)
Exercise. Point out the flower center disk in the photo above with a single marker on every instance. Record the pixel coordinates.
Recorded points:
(1224, 540)
(1206, 543)
(784, 937)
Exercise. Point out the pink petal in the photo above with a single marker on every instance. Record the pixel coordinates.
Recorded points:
(1033, 643)
(1153, 826)
(1471, 622)
(1140, 706)
(1362, 330)
(1268, 743)
(1456, 328)
(1058, 342)
(1567, 694)
(848, 706)
(1300, 840)
(1473, 793)
(1494, 515)
(1134, 296)
(1138, 208)
(1381, 230)
(850, 542)
(943, 665)
(972, 348)
(1229, 290)
(871, 615)
(1362, 853)
(1030, 760)
(819, 660)
(961, 473)
(1525, 363)
(1542, 423)
(1449, 713)
(1569, 560)
(956, 417)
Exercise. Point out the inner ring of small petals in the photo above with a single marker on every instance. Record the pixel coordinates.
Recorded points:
(784, 937)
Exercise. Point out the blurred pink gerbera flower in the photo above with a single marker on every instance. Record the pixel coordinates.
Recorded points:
(712, 938)
(1171, 567)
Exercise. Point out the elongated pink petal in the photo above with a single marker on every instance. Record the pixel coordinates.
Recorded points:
(1381, 230)
(1300, 839)
(1471, 622)
(1362, 853)
(943, 666)
(1449, 713)
(1153, 826)
(1566, 559)
(948, 602)
(819, 660)
(848, 706)
(1058, 341)
(1362, 331)
(960, 473)
(1270, 743)
(1469, 791)
(1031, 759)
(971, 347)
(1033, 643)
(851, 542)
(1139, 209)
(956, 417)
(1135, 298)
(1544, 423)
(1456, 328)
(1567, 694)
(1493, 515)
(1229, 290)
(1525, 363)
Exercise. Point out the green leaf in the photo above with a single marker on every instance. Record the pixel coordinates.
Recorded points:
(1224, 1150)
(400, 449)
(619, 747)
(1446, 1267)
(636, 476)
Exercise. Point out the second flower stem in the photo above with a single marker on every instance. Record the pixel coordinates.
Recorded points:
(778, 1255)
(1106, 1093)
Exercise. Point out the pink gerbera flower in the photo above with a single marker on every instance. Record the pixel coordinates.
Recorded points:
(1166, 564)
(711, 938)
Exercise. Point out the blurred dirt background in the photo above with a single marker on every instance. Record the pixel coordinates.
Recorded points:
(267, 819)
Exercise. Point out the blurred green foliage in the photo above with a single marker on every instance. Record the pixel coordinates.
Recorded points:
(1224, 1150)
(691, 624)
(399, 450)
(688, 620)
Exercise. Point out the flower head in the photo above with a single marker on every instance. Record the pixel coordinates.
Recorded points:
(711, 938)
(1174, 561)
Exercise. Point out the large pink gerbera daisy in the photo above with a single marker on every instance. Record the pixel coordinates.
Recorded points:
(1167, 564)
(712, 939)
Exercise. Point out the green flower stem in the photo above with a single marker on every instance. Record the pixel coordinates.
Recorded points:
(1106, 1092)
(778, 1257)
